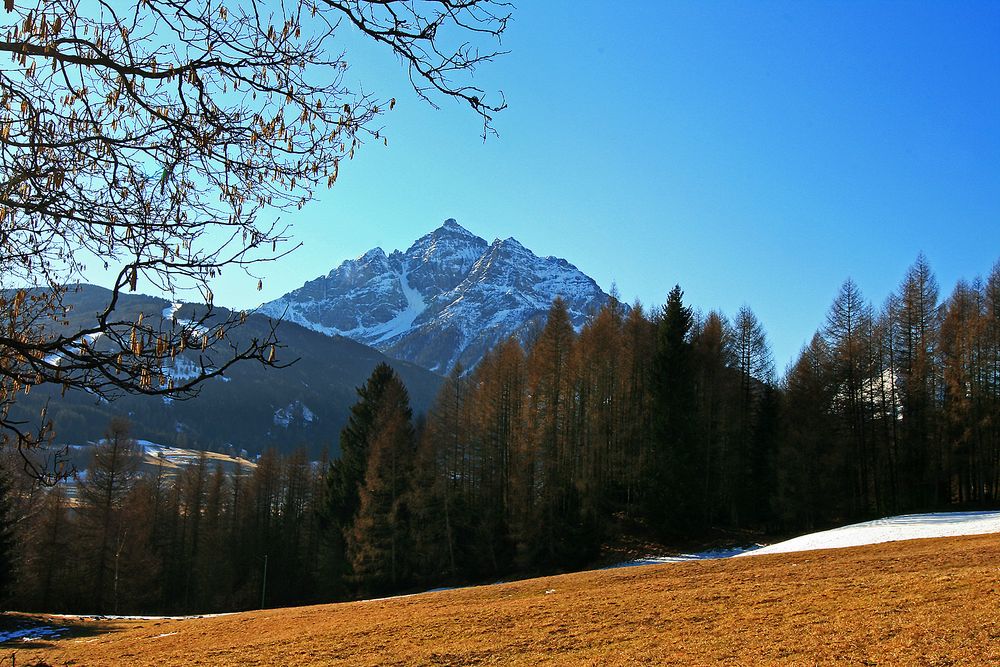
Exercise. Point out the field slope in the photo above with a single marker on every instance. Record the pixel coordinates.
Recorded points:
(920, 602)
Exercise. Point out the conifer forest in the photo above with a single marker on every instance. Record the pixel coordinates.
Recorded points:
(662, 424)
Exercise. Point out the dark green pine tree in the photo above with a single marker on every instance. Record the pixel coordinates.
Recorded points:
(6, 537)
(762, 462)
(673, 468)
(345, 478)
(379, 543)
(347, 473)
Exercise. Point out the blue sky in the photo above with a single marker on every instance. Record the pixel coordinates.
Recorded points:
(754, 152)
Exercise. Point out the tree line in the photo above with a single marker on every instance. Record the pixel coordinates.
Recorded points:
(125, 540)
(896, 408)
(664, 425)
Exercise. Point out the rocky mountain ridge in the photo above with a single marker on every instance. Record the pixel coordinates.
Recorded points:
(444, 301)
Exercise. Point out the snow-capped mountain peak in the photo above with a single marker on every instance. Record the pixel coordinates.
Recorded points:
(373, 255)
(438, 261)
(447, 299)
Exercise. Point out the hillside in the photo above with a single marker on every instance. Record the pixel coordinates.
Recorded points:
(251, 408)
(930, 601)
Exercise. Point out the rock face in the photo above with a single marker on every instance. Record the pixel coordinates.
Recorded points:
(448, 299)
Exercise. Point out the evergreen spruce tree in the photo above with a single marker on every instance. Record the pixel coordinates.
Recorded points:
(347, 473)
(674, 467)
(432, 510)
(762, 461)
(379, 541)
(345, 477)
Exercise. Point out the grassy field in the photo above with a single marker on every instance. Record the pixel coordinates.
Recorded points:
(922, 602)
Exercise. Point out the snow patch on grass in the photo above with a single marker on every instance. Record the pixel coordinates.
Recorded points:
(30, 634)
(892, 529)
(711, 554)
(115, 617)
(888, 529)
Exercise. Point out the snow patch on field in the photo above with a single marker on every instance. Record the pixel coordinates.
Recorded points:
(30, 634)
(892, 529)
(889, 529)
(711, 554)
(114, 617)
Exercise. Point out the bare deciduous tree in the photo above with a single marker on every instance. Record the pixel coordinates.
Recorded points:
(158, 139)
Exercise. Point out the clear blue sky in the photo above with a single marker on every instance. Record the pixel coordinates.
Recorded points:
(753, 152)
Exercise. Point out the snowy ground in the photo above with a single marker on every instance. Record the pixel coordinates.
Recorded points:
(113, 617)
(889, 529)
(712, 554)
(892, 529)
(29, 632)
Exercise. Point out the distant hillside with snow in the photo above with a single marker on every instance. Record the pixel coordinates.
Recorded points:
(447, 299)
(250, 408)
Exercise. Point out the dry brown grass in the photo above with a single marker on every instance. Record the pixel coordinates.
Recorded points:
(924, 602)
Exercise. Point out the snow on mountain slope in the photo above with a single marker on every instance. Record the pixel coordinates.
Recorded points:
(355, 300)
(448, 299)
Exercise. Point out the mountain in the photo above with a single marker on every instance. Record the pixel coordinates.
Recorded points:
(252, 407)
(447, 299)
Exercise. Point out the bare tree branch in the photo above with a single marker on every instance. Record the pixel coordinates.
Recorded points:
(155, 137)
